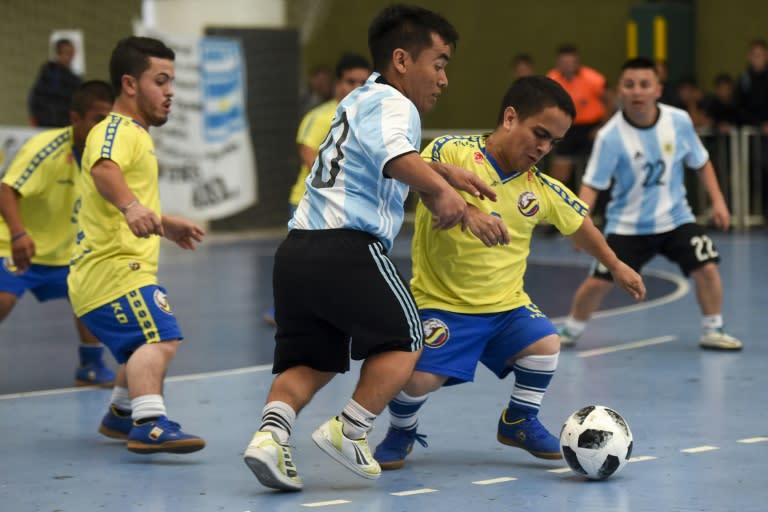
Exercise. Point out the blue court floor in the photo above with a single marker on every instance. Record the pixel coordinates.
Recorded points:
(698, 418)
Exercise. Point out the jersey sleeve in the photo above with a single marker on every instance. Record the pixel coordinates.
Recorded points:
(564, 208)
(392, 130)
(114, 141)
(696, 155)
(602, 162)
(26, 174)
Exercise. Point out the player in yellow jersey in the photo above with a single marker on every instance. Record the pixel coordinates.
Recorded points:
(37, 196)
(113, 276)
(352, 70)
(469, 290)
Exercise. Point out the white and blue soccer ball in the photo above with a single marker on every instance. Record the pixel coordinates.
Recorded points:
(596, 442)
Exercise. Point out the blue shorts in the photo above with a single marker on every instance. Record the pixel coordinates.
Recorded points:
(141, 316)
(45, 282)
(454, 342)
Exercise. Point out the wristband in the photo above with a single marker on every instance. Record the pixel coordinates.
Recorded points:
(17, 236)
(129, 205)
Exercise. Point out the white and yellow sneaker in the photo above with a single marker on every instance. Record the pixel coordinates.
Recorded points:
(718, 340)
(354, 454)
(272, 462)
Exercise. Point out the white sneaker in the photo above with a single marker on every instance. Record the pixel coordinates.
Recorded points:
(567, 338)
(354, 454)
(272, 462)
(718, 340)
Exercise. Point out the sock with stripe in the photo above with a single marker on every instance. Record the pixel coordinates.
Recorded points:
(532, 377)
(278, 417)
(404, 409)
(356, 420)
(711, 323)
(574, 327)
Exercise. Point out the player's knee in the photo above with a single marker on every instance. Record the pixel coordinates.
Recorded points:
(7, 301)
(420, 383)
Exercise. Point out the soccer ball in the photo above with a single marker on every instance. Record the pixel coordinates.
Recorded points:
(596, 442)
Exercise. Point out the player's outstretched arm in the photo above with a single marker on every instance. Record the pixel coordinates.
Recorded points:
(589, 239)
(720, 214)
(22, 245)
(462, 179)
(439, 197)
(490, 229)
(110, 183)
(183, 232)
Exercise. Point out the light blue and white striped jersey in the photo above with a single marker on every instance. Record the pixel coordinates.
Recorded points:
(346, 187)
(647, 165)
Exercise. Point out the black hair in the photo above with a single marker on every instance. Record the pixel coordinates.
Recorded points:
(131, 57)
(640, 63)
(61, 43)
(89, 93)
(567, 49)
(408, 27)
(532, 94)
(351, 61)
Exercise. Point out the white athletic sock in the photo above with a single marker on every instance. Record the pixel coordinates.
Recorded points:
(120, 398)
(147, 406)
(575, 327)
(356, 420)
(278, 417)
(711, 322)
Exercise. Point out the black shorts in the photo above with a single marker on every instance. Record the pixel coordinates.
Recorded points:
(577, 141)
(338, 294)
(687, 245)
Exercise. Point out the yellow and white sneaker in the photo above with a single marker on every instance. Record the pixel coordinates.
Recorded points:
(272, 462)
(354, 454)
(718, 340)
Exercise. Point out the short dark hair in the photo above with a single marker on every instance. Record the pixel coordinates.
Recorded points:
(640, 63)
(131, 57)
(351, 61)
(758, 42)
(59, 43)
(521, 58)
(408, 27)
(89, 93)
(567, 48)
(532, 94)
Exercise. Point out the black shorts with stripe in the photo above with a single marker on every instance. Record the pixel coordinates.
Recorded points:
(337, 295)
(687, 245)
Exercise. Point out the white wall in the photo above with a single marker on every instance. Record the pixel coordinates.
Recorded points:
(190, 17)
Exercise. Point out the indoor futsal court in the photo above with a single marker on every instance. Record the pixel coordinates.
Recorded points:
(698, 417)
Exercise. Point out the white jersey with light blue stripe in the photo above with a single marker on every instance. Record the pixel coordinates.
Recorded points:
(346, 187)
(647, 166)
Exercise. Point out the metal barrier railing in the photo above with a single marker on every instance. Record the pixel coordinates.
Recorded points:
(740, 158)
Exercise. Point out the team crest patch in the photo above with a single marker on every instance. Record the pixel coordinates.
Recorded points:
(435, 333)
(479, 158)
(161, 301)
(528, 204)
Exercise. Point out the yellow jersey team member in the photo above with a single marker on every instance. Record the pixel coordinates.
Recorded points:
(113, 277)
(37, 197)
(469, 290)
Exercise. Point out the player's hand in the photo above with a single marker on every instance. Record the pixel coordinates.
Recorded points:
(184, 233)
(467, 181)
(143, 221)
(22, 252)
(629, 280)
(721, 216)
(490, 229)
(447, 207)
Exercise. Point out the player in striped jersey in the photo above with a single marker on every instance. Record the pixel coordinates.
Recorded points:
(37, 230)
(470, 292)
(113, 275)
(644, 150)
(333, 280)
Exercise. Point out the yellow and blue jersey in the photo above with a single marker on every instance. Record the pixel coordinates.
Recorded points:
(44, 173)
(109, 260)
(452, 269)
(312, 131)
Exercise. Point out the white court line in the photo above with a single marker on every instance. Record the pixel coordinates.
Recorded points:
(492, 481)
(559, 470)
(641, 458)
(425, 490)
(700, 449)
(626, 346)
(752, 440)
(324, 503)
(178, 378)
